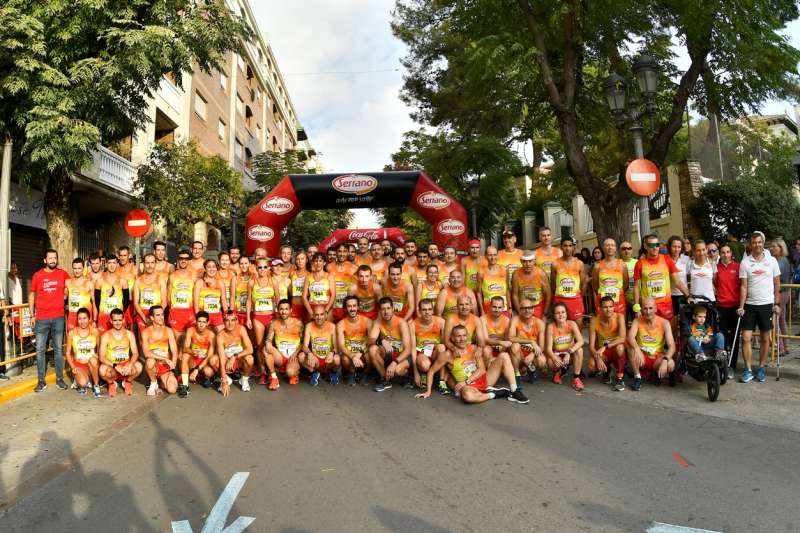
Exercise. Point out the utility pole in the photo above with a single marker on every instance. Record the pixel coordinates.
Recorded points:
(5, 199)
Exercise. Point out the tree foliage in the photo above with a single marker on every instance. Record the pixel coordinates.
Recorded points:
(77, 73)
(180, 186)
(309, 227)
(534, 71)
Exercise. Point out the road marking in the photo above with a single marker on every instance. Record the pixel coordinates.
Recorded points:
(660, 527)
(219, 513)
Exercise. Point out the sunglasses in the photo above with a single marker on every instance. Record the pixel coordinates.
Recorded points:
(183, 259)
(262, 267)
(626, 248)
(712, 250)
(653, 244)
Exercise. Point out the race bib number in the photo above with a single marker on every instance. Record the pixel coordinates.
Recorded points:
(148, 297)
(263, 305)
(318, 292)
(397, 306)
(470, 367)
(321, 346)
(119, 354)
(287, 348)
(613, 292)
(233, 350)
(112, 302)
(356, 345)
(426, 350)
(657, 288)
(85, 350)
(211, 303)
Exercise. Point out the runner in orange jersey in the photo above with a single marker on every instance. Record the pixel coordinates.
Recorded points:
(227, 276)
(150, 289)
(299, 273)
(568, 281)
(410, 248)
(235, 252)
(427, 336)
(119, 355)
(473, 264)
(111, 292)
(283, 280)
(492, 282)
(94, 270)
(429, 286)
(475, 332)
(610, 277)
(447, 302)
(344, 274)
(81, 353)
(379, 264)
(390, 346)
(163, 267)
(79, 294)
(235, 352)
(160, 353)
(530, 282)
(495, 324)
(320, 287)
(285, 255)
(449, 265)
(209, 295)
(510, 255)
(607, 343)
(199, 362)
(546, 253)
(319, 348)
(363, 256)
(421, 265)
(409, 272)
(564, 346)
(650, 338)
(241, 290)
(400, 291)
(262, 301)
(352, 337)
(197, 263)
(367, 291)
(281, 351)
(127, 269)
(527, 334)
(181, 295)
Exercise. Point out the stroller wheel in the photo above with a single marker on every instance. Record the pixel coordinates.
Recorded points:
(713, 382)
(723, 375)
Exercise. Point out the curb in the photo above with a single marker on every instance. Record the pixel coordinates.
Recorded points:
(24, 387)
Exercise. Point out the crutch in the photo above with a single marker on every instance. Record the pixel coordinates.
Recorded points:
(733, 345)
(775, 344)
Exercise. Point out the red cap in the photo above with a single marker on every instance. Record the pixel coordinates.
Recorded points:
(475, 241)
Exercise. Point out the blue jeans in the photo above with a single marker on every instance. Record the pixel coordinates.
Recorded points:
(54, 329)
(717, 342)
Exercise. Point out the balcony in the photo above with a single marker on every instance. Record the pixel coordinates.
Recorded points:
(111, 170)
(171, 95)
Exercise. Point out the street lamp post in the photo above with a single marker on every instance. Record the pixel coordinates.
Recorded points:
(233, 224)
(473, 194)
(796, 163)
(628, 112)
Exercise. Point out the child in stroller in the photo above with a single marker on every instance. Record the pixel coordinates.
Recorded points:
(701, 335)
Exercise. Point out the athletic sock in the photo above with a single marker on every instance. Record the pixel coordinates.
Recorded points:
(491, 395)
(273, 375)
(185, 380)
(512, 387)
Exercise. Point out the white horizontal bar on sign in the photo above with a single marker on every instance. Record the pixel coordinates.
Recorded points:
(659, 527)
(643, 176)
(137, 223)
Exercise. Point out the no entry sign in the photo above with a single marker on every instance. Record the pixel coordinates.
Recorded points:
(137, 223)
(643, 177)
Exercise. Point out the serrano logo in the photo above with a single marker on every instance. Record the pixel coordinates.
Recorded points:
(496, 287)
(451, 226)
(355, 184)
(260, 233)
(277, 205)
(655, 274)
(433, 200)
(610, 282)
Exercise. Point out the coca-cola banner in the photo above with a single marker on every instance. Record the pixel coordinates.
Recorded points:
(346, 236)
(295, 192)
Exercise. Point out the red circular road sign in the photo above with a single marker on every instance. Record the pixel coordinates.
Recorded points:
(643, 177)
(137, 223)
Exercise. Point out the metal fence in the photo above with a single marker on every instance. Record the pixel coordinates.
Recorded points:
(17, 334)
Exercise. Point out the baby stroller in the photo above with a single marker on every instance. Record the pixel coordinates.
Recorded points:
(706, 366)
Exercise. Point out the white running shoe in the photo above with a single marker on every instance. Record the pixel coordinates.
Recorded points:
(152, 390)
(245, 384)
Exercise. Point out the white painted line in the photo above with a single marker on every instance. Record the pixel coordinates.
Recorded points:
(660, 527)
(219, 513)
(644, 176)
(239, 525)
(181, 527)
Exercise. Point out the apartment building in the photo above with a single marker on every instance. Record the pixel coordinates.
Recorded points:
(236, 112)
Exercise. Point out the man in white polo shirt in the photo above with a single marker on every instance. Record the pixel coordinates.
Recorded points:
(759, 294)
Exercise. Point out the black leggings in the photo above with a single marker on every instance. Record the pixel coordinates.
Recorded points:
(727, 325)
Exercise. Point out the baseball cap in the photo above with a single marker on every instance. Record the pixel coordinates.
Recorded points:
(276, 262)
(474, 242)
(528, 255)
(508, 233)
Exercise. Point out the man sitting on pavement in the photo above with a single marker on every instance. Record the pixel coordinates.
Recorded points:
(160, 353)
(607, 342)
(389, 346)
(650, 338)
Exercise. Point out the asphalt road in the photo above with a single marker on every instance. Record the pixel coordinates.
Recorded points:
(342, 459)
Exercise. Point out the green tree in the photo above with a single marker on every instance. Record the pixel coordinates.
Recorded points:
(309, 227)
(78, 73)
(535, 70)
(180, 186)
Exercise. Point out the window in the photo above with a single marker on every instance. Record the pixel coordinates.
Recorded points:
(258, 94)
(258, 131)
(199, 105)
(239, 104)
(221, 130)
(240, 61)
(223, 81)
(238, 151)
(248, 117)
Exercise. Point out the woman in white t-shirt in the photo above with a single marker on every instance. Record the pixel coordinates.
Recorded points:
(701, 273)
(675, 252)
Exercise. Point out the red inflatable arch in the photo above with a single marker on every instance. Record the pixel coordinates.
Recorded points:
(340, 236)
(266, 220)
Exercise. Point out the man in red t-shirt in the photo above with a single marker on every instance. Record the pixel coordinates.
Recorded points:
(46, 303)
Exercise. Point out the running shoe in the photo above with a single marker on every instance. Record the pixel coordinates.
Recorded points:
(358, 377)
(557, 378)
(499, 392)
(563, 371)
(128, 388)
(761, 374)
(334, 378)
(532, 376)
(382, 386)
(747, 376)
(731, 373)
(444, 390)
(81, 391)
(207, 383)
(112, 389)
(518, 397)
(294, 380)
(619, 386)
(244, 382)
(497, 389)
(152, 390)
(351, 380)
(262, 380)
(183, 391)
(409, 384)
(637, 383)
(274, 384)
(96, 392)
(608, 379)
(577, 384)
(314, 379)
(229, 379)
(61, 385)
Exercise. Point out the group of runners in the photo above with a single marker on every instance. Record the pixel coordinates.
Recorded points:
(368, 313)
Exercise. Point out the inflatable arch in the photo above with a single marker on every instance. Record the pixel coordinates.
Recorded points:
(266, 220)
(395, 235)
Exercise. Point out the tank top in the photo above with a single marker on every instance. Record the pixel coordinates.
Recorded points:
(210, 299)
(563, 338)
(110, 297)
(355, 335)
(226, 281)
(199, 346)
(494, 284)
(655, 280)
(606, 333)
(149, 293)
(528, 332)
(451, 301)
(464, 365)
(379, 270)
(118, 351)
(427, 337)
(399, 296)
(610, 280)
(321, 340)
(568, 278)
(83, 348)
(471, 323)
(630, 264)
(431, 293)
(180, 296)
(651, 339)
(530, 285)
(318, 290)
(342, 278)
(392, 333)
(366, 298)
(231, 347)
(444, 272)
(78, 297)
(287, 335)
(263, 297)
(544, 260)
(298, 282)
(240, 300)
(471, 269)
(510, 261)
(496, 331)
(159, 347)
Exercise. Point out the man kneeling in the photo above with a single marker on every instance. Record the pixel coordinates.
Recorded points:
(198, 357)
(160, 353)
(319, 348)
(471, 380)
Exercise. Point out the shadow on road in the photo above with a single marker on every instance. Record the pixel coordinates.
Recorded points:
(403, 522)
(80, 503)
